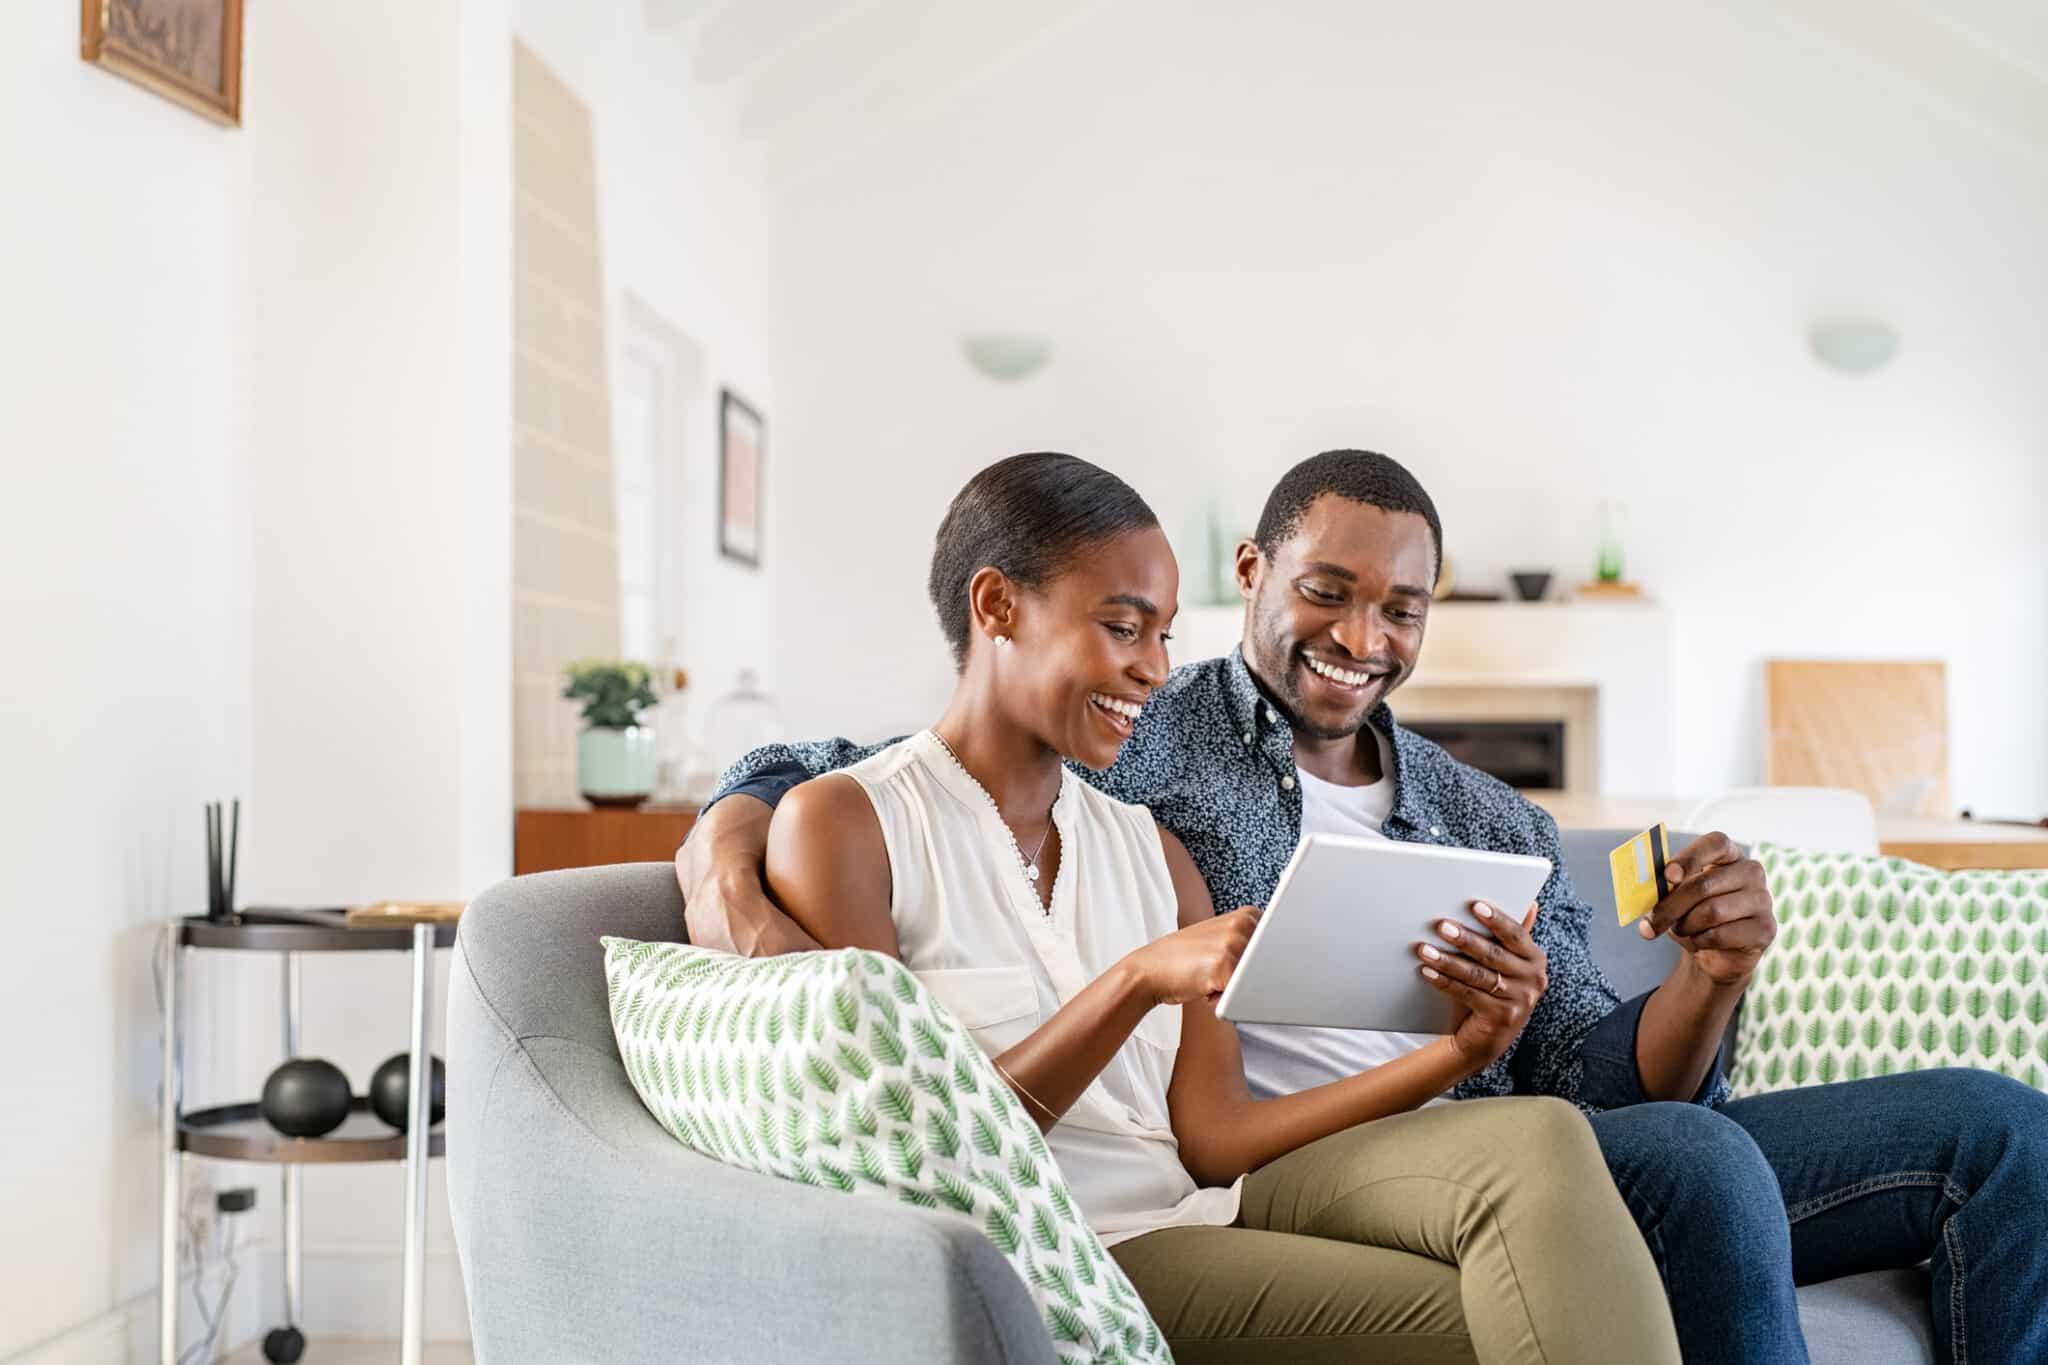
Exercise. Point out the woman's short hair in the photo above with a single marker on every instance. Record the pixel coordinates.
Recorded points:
(1028, 516)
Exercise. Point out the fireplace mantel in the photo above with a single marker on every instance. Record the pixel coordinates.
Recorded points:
(1605, 668)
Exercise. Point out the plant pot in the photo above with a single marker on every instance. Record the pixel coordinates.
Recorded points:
(615, 767)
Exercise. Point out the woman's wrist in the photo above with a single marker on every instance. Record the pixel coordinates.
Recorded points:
(1465, 1065)
(1132, 975)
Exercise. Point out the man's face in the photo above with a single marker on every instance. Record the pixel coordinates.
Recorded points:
(1337, 613)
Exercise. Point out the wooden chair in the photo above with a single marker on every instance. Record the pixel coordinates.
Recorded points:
(1877, 728)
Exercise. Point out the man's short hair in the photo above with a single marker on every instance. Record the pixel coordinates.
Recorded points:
(1360, 475)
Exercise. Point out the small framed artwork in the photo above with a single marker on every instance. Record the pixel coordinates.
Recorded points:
(740, 430)
(189, 51)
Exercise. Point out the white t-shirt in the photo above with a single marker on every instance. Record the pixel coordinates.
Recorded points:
(1280, 1059)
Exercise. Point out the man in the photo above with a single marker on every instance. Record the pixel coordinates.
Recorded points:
(1738, 1201)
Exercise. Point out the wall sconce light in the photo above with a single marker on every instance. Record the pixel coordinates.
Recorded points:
(1007, 356)
(1853, 345)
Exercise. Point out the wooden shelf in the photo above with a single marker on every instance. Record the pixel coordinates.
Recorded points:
(239, 1132)
(544, 840)
(302, 931)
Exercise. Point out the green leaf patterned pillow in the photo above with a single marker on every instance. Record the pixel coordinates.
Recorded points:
(1883, 965)
(837, 1069)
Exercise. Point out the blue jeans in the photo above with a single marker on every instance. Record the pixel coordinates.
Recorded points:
(1741, 1204)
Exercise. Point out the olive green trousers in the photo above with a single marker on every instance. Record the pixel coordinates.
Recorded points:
(1485, 1230)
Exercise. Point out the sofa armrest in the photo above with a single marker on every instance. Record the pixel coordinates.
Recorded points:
(587, 1233)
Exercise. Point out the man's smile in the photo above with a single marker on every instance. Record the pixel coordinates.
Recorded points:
(1351, 679)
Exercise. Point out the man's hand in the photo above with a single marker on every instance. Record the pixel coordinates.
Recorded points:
(1718, 909)
(719, 870)
(1497, 973)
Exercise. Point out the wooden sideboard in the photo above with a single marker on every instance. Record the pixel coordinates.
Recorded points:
(579, 836)
(1951, 845)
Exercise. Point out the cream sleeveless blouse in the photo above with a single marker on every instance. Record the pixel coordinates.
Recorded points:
(971, 929)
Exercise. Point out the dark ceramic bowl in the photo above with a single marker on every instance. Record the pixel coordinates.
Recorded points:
(1530, 587)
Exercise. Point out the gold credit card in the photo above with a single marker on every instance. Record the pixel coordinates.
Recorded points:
(1638, 868)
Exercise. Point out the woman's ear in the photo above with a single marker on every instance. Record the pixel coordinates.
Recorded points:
(992, 603)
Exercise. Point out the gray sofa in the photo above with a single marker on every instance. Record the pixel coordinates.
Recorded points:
(587, 1234)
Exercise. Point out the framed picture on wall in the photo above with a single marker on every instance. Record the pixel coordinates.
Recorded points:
(189, 51)
(740, 430)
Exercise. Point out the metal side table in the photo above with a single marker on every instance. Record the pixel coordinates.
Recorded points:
(238, 1132)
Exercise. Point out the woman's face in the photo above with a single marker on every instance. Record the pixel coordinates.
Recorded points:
(1089, 648)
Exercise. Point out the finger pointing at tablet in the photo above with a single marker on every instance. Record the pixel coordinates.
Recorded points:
(1495, 970)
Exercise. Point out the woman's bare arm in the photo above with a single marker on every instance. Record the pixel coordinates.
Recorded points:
(828, 868)
(1223, 1131)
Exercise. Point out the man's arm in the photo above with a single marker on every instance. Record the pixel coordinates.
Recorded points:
(1589, 1046)
(719, 867)
(1719, 911)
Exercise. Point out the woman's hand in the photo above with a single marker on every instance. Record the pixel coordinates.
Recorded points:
(1498, 973)
(1195, 963)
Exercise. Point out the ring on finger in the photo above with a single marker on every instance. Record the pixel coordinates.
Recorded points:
(1495, 989)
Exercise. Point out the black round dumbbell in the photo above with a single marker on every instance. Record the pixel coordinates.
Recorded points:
(391, 1090)
(284, 1345)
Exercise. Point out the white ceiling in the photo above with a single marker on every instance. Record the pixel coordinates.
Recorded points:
(812, 78)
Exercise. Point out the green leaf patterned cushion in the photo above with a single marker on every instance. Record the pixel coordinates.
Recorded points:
(1882, 965)
(837, 1069)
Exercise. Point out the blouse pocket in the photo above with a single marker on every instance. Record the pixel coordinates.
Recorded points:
(1150, 1053)
(998, 1006)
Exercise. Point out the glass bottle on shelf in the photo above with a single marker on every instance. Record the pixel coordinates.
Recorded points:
(1610, 567)
(671, 721)
(738, 723)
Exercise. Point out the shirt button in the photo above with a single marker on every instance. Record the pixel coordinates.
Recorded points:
(1437, 830)
(1272, 716)
(1287, 782)
(1247, 736)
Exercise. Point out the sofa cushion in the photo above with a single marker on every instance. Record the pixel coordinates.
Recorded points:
(838, 1070)
(1882, 965)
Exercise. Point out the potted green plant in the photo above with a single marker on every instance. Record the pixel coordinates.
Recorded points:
(615, 754)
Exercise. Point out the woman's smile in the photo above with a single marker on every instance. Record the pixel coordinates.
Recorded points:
(1118, 713)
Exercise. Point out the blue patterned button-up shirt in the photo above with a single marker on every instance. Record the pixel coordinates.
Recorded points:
(1214, 760)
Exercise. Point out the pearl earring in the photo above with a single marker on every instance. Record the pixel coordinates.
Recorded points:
(1002, 640)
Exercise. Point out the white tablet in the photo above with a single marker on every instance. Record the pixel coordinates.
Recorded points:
(1336, 946)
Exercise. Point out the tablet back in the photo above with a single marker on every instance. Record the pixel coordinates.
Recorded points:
(1336, 947)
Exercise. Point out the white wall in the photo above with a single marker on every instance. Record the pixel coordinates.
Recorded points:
(123, 586)
(1565, 253)
(258, 543)
(376, 356)
(685, 222)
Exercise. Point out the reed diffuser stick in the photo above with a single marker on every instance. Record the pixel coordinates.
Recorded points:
(234, 854)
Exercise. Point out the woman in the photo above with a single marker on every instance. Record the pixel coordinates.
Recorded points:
(1077, 942)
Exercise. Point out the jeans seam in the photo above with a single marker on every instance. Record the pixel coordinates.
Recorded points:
(1959, 1332)
(1958, 1323)
(1892, 1181)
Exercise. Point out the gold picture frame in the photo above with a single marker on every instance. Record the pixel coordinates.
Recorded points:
(188, 51)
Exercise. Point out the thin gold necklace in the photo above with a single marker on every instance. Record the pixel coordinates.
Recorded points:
(1030, 863)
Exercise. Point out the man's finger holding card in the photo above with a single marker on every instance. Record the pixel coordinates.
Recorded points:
(1700, 888)
(1707, 851)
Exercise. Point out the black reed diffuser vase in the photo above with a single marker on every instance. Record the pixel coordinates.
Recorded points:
(222, 854)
